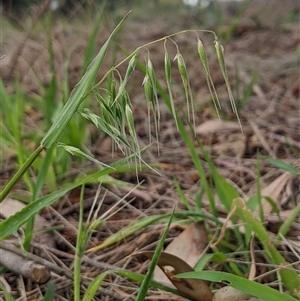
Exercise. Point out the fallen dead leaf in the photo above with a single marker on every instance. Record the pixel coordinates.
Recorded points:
(172, 265)
(229, 293)
(273, 191)
(215, 125)
(188, 245)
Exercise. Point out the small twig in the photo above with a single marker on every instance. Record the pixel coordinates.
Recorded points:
(30, 256)
(85, 259)
(262, 139)
(283, 139)
(53, 267)
(23, 266)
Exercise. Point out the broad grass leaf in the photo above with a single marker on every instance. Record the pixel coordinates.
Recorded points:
(226, 192)
(203, 261)
(250, 287)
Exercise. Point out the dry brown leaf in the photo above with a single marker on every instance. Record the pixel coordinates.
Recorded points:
(229, 293)
(215, 125)
(172, 265)
(273, 191)
(164, 297)
(188, 245)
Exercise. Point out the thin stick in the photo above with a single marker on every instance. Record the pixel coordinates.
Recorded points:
(58, 270)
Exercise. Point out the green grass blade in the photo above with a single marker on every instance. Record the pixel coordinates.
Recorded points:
(92, 43)
(8, 296)
(51, 90)
(147, 280)
(80, 245)
(288, 275)
(49, 296)
(14, 222)
(139, 278)
(128, 231)
(94, 285)
(247, 286)
(284, 166)
(77, 152)
(287, 224)
(146, 221)
(46, 163)
(20, 173)
(226, 192)
(258, 190)
(182, 196)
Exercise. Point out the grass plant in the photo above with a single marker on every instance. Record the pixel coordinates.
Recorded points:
(115, 118)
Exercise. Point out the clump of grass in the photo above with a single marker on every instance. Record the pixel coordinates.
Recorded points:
(116, 120)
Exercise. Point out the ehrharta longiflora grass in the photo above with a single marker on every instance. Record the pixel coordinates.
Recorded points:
(115, 119)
